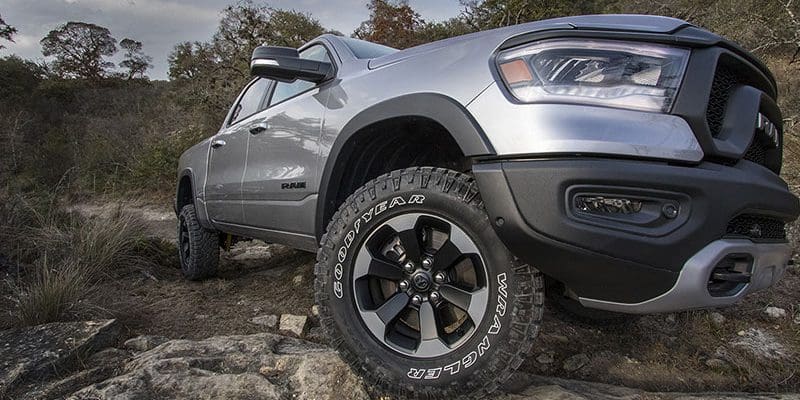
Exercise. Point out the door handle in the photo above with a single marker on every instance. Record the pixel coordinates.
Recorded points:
(258, 128)
(217, 143)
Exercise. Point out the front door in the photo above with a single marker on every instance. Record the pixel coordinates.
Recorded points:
(279, 189)
(228, 153)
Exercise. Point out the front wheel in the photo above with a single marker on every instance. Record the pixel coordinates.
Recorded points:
(419, 294)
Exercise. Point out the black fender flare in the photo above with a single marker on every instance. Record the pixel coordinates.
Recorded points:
(188, 174)
(440, 108)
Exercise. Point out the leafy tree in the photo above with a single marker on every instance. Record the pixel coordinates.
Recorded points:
(432, 31)
(767, 27)
(6, 31)
(135, 61)
(79, 48)
(488, 14)
(210, 74)
(247, 25)
(18, 78)
(391, 23)
(189, 60)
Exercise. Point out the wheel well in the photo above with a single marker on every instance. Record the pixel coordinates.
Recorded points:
(185, 194)
(388, 145)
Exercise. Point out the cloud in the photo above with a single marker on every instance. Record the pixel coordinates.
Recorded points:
(160, 24)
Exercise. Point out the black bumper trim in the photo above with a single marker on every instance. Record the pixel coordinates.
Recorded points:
(530, 197)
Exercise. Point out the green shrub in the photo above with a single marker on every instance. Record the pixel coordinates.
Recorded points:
(156, 167)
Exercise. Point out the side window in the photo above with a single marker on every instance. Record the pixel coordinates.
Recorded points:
(251, 101)
(285, 90)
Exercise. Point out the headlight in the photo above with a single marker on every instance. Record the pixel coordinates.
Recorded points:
(631, 75)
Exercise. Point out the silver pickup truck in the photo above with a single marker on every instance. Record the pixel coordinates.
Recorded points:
(627, 164)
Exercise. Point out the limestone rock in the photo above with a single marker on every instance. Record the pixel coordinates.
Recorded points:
(38, 352)
(143, 343)
(775, 312)
(761, 344)
(717, 319)
(293, 325)
(269, 321)
(260, 366)
(546, 358)
(576, 362)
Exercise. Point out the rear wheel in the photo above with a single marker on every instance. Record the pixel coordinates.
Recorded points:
(418, 293)
(198, 247)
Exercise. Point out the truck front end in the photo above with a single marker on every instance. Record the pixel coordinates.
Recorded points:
(638, 167)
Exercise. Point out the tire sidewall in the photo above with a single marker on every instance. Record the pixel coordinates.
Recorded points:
(475, 356)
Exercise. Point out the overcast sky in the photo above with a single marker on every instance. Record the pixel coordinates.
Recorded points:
(160, 24)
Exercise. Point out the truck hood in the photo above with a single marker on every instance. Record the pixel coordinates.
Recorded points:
(617, 22)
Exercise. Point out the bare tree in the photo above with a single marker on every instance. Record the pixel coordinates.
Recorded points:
(7, 31)
(780, 30)
(392, 23)
(136, 62)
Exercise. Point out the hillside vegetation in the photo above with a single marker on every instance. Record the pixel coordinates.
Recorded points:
(77, 123)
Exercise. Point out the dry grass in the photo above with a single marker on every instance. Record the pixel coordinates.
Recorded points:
(63, 257)
(52, 294)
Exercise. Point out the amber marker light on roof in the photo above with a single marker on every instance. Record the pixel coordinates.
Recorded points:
(516, 71)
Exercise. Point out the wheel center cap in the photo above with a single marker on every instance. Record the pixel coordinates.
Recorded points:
(421, 280)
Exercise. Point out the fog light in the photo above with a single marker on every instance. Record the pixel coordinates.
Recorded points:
(607, 205)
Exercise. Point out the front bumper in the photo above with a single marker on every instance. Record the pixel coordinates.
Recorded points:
(691, 289)
(640, 262)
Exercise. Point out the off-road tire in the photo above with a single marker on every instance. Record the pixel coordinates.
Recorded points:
(454, 196)
(203, 246)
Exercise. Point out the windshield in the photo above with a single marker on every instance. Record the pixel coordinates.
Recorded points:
(366, 50)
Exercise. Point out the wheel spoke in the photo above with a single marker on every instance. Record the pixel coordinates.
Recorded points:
(410, 241)
(428, 326)
(446, 256)
(431, 347)
(392, 307)
(458, 297)
(384, 270)
(369, 265)
(472, 303)
(462, 242)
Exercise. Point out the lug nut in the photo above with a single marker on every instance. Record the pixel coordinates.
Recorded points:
(427, 262)
(434, 296)
(416, 300)
(403, 285)
(408, 267)
(439, 277)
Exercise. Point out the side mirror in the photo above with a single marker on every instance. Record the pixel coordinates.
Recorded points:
(284, 64)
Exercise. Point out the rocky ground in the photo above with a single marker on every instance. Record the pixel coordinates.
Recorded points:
(74, 360)
(252, 333)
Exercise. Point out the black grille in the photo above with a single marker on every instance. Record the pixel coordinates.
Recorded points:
(756, 153)
(725, 80)
(757, 227)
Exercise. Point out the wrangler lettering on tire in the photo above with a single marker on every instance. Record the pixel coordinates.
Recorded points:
(417, 291)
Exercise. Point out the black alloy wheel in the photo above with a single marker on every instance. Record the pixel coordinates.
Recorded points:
(420, 285)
